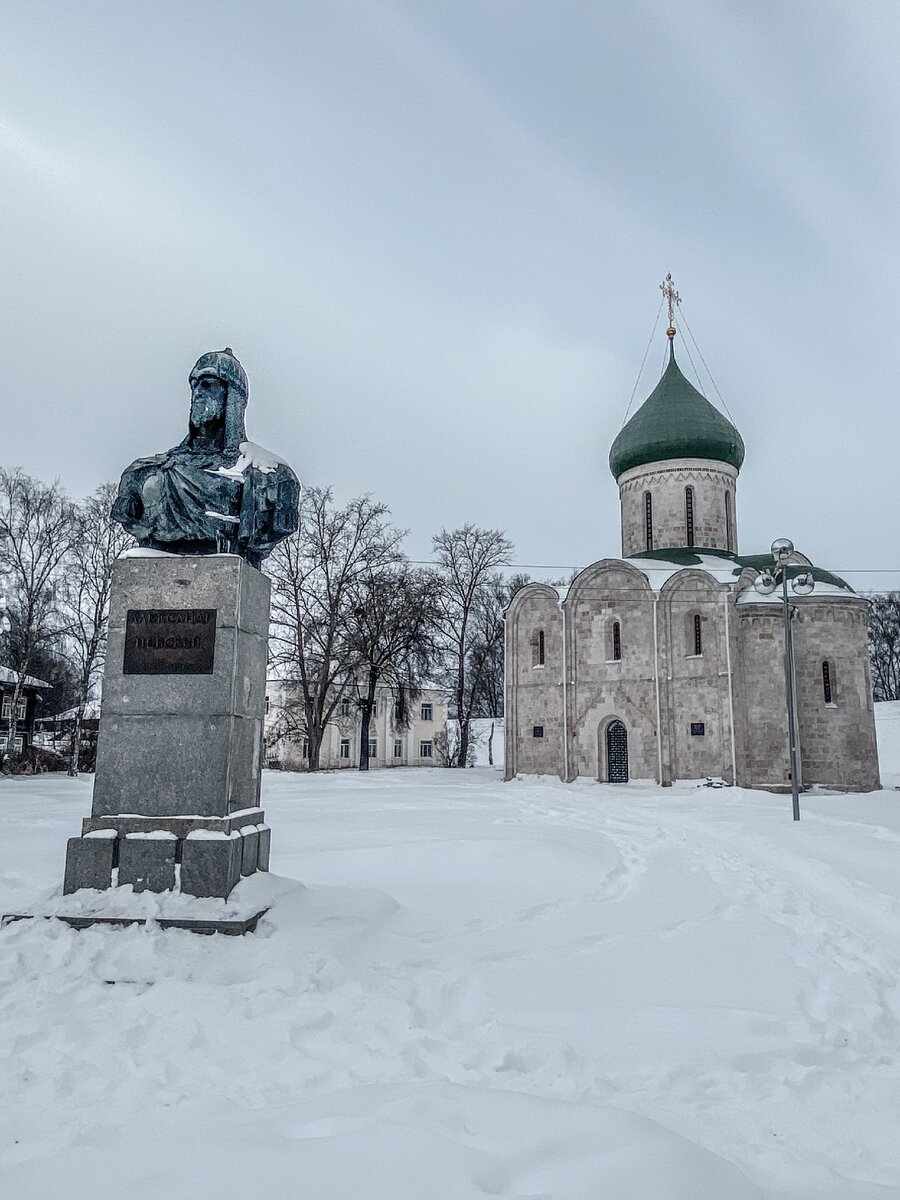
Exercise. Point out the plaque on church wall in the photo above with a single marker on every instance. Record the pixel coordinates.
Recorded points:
(169, 641)
(698, 728)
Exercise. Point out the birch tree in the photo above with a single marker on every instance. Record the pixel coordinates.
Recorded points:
(317, 575)
(884, 645)
(98, 543)
(37, 532)
(466, 562)
(391, 639)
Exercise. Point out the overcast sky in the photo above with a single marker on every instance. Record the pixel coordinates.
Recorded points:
(433, 233)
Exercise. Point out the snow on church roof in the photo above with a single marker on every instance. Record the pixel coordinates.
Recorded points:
(727, 568)
(659, 566)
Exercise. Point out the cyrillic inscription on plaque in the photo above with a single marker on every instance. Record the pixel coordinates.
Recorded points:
(169, 641)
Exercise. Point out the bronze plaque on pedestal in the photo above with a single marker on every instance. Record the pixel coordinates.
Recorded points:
(169, 641)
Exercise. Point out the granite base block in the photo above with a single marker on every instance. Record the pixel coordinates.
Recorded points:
(250, 852)
(265, 846)
(148, 864)
(89, 863)
(210, 866)
(179, 826)
(231, 928)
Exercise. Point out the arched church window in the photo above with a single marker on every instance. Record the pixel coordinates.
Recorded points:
(693, 634)
(689, 515)
(729, 530)
(537, 648)
(616, 641)
(648, 520)
(827, 682)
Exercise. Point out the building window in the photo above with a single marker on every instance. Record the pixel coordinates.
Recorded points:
(698, 635)
(345, 708)
(698, 728)
(648, 520)
(345, 747)
(374, 712)
(689, 515)
(398, 747)
(426, 750)
(20, 708)
(537, 731)
(729, 533)
(398, 711)
(616, 641)
(304, 749)
(267, 705)
(537, 648)
(827, 681)
(4, 742)
(373, 748)
(426, 712)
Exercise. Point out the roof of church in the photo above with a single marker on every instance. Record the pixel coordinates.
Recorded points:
(675, 421)
(684, 557)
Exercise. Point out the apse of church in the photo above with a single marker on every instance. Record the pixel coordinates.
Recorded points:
(667, 663)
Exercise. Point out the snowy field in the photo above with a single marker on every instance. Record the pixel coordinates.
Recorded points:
(484, 990)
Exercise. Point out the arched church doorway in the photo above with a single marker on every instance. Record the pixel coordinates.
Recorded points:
(616, 752)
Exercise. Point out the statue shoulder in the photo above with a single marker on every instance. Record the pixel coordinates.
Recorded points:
(139, 466)
(263, 465)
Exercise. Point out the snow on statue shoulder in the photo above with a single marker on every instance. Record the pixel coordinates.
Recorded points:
(215, 492)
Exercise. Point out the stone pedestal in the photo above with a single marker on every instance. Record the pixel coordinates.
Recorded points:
(176, 792)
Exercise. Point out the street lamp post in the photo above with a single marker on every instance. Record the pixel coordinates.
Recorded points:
(803, 584)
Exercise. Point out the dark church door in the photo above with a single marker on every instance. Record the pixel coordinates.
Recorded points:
(616, 753)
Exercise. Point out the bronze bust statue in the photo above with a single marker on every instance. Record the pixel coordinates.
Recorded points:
(215, 492)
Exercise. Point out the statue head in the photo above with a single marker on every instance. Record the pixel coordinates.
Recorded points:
(219, 392)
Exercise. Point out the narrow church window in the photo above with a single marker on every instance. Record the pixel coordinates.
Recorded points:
(826, 682)
(537, 649)
(648, 520)
(698, 634)
(616, 641)
(689, 515)
(729, 533)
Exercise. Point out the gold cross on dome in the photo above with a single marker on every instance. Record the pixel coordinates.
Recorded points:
(667, 287)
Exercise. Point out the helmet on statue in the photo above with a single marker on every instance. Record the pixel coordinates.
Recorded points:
(222, 364)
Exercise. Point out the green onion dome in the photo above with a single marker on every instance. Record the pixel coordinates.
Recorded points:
(675, 421)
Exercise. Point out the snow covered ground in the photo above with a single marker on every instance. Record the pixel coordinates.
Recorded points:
(485, 989)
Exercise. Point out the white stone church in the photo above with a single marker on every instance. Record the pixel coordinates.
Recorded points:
(667, 663)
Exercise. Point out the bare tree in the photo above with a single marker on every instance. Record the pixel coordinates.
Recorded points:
(392, 639)
(486, 658)
(37, 531)
(85, 595)
(316, 579)
(467, 559)
(486, 655)
(884, 645)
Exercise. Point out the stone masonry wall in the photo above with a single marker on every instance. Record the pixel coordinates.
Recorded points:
(695, 689)
(737, 678)
(604, 689)
(760, 701)
(837, 739)
(534, 689)
(666, 483)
